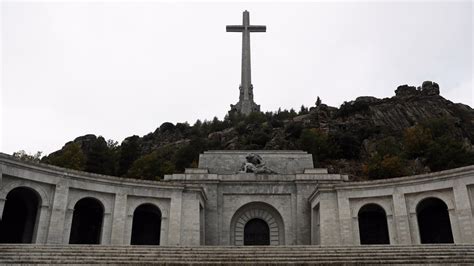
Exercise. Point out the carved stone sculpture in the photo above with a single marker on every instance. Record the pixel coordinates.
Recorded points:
(255, 164)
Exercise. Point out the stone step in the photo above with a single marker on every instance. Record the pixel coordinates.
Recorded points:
(103, 254)
(242, 258)
(250, 261)
(252, 248)
(243, 252)
(139, 252)
(65, 253)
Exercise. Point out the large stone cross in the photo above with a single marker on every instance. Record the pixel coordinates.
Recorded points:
(246, 105)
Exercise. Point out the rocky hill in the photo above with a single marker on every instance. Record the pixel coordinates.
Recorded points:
(415, 131)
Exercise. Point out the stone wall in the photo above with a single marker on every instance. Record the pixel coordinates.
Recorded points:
(59, 190)
(340, 203)
(301, 206)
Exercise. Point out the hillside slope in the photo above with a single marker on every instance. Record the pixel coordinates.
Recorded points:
(415, 131)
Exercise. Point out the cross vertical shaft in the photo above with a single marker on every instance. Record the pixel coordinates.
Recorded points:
(246, 105)
(246, 79)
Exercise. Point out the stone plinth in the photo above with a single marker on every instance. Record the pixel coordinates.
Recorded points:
(281, 162)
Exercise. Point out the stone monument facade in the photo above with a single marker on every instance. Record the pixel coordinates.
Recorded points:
(217, 204)
(246, 104)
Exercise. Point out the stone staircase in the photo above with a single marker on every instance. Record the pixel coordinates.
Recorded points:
(337, 255)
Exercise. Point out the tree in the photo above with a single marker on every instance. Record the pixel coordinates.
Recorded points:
(317, 143)
(100, 159)
(153, 166)
(70, 156)
(388, 166)
(318, 101)
(417, 140)
(22, 155)
(129, 152)
(189, 154)
(303, 110)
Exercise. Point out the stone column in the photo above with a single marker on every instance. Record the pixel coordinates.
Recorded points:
(106, 228)
(127, 240)
(392, 232)
(401, 221)
(119, 220)
(174, 228)
(190, 235)
(42, 226)
(2, 206)
(67, 225)
(345, 221)
(463, 213)
(58, 213)
(329, 219)
(456, 231)
(302, 216)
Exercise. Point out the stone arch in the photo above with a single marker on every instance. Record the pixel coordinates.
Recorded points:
(444, 195)
(434, 223)
(373, 225)
(146, 225)
(137, 202)
(44, 199)
(257, 210)
(102, 200)
(20, 216)
(87, 221)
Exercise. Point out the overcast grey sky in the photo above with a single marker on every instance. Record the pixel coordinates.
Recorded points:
(121, 68)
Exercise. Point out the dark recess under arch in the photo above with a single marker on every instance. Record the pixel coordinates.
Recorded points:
(87, 219)
(256, 233)
(373, 228)
(433, 221)
(146, 226)
(19, 216)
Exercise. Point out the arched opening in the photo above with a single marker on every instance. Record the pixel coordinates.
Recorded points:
(433, 221)
(19, 216)
(256, 233)
(87, 222)
(373, 228)
(146, 225)
(257, 210)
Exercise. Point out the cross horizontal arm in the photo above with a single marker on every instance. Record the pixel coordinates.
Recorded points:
(255, 28)
(251, 28)
(234, 28)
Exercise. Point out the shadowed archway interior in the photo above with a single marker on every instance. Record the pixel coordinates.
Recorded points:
(373, 228)
(256, 233)
(146, 225)
(87, 220)
(19, 216)
(433, 221)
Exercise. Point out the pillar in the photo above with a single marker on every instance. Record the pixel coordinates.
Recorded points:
(345, 221)
(401, 219)
(106, 229)
(329, 219)
(174, 229)
(463, 213)
(58, 213)
(2, 206)
(42, 226)
(119, 220)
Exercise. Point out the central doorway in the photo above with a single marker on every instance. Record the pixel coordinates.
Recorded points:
(256, 233)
